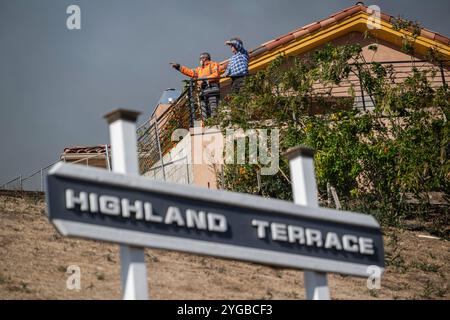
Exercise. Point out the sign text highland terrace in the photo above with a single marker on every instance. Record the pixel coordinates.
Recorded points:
(97, 204)
(212, 222)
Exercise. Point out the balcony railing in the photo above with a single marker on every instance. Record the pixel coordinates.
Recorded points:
(155, 135)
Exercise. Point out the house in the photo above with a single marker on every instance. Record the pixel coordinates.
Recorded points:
(163, 157)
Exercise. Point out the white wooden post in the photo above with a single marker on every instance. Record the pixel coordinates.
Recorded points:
(304, 189)
(122, 131)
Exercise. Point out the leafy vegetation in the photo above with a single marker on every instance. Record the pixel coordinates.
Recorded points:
(386, 161)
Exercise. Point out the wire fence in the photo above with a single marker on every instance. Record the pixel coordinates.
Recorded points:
(32, 182)
(36, 181)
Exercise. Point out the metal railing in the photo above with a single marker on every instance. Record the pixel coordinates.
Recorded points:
(196, 110)
(400, 71)
(155, 139)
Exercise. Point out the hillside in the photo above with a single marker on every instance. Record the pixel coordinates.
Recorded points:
(34, 259)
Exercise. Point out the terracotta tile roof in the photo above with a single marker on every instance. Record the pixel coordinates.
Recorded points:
(100, 149)
(334, 18)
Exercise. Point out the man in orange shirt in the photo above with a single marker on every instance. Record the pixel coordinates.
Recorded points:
(209, 89)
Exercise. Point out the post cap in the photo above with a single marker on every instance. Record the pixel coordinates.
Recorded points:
(121, 114)
(301, 150)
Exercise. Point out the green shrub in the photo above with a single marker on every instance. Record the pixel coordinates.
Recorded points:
(377, 161)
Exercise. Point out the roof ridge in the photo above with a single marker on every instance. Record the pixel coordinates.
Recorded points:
(334, 18)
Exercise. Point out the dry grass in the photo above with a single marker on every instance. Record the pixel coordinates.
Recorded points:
(34, 260)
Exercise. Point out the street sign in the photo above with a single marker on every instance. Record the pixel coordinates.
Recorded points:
(136, 211)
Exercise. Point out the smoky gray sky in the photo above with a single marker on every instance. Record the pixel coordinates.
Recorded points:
(56, 84)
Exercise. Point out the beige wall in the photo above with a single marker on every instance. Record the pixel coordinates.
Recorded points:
(207, 163)
(177, 164)
(186, 164)
(160, 109)
(386, 51)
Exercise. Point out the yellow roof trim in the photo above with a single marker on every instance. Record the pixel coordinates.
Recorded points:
(422, 44)
(307, 43)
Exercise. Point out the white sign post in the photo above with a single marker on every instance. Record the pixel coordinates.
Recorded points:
(122, 131)
(304, 189)
(136, 212)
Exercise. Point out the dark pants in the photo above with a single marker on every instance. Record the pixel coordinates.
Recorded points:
(209, 99)
(236, 84)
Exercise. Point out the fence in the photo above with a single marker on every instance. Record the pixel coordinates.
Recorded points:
(155, 140)
(33, 182)
(178, 170)
(36, 180)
